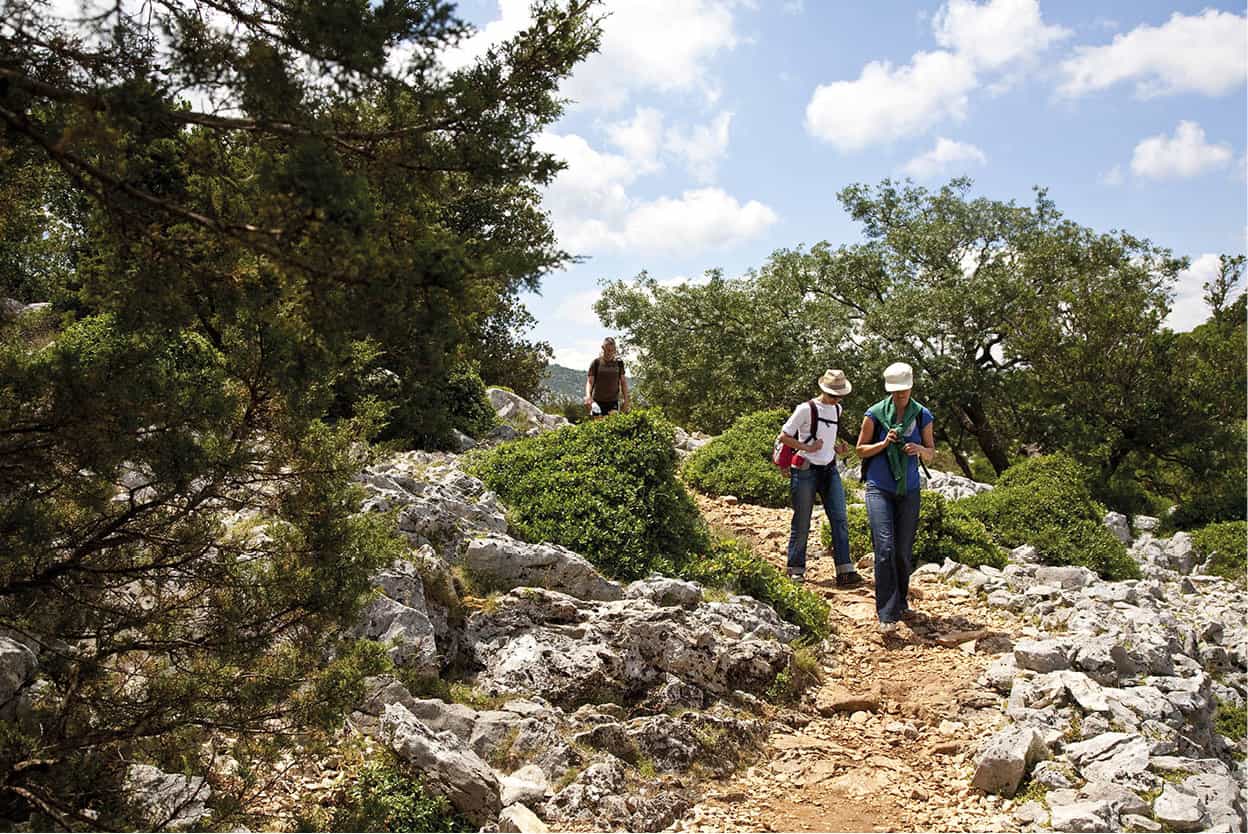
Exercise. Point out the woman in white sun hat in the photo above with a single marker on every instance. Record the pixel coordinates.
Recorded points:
(896, 433)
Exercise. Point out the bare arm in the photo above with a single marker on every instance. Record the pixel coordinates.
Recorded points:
(589, 388)
(624, 392)
(928, 450)
(866, 449)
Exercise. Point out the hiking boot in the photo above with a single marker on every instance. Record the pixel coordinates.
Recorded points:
(888, 628)
(911, 616)
(798, 578)
(848, 580)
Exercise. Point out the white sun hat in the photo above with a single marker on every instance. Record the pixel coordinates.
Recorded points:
(898, 377)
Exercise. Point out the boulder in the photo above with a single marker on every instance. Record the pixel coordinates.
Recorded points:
(574, 651)
(518, 818)
(1005, 759)
(1066, 576)
(1088, 815)
(167, 801)
(1001, 673)
(1179, 810)
(445, 764)
(663, 591)
(1119, 526)
(407, 630)
(523, 415)
(1053, 775)
(527, 786)
(1180, 553)
(1111, 757)
(1042, 655)
(507, 563)
(592, 796)
(17, 670)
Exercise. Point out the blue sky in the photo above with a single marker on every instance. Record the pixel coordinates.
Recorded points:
(708, 134)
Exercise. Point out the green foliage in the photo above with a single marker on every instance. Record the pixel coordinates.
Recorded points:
(385, 796)
(801, 674)
(1231, 721)
(726, 347)
(571, 409)
(606, 489)
(179, 515)
(738, 462)
(731, 564)
(1046, 502)
(1225, 545)
(946, 531)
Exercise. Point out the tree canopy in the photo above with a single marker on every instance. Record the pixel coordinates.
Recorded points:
(1027, 331)
(235, 210)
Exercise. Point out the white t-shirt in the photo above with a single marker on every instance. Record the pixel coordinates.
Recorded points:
(799, 426)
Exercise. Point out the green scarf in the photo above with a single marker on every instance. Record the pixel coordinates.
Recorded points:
(885, 413)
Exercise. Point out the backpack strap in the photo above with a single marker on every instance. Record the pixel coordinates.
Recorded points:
(814, 421)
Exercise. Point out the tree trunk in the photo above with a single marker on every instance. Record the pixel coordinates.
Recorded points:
(959, 455)
(976, 421)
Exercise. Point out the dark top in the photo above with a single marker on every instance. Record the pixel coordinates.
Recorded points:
(607, 376)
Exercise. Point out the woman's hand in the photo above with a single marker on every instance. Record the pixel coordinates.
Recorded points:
(915, 449)
(892, 437)
(588, 403)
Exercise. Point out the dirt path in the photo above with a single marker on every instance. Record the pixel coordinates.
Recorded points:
(887, 744)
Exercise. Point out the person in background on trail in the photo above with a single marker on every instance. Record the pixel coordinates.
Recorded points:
(896, 433)
(606, 387)
(818, 475)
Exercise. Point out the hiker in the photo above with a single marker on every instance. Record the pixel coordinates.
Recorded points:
(896, 433)
(606, 387)
(817, 475)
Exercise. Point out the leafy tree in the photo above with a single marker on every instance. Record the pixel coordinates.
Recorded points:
(178, 515)
(710, 352)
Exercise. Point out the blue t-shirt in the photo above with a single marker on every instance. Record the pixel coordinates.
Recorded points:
(878, 472)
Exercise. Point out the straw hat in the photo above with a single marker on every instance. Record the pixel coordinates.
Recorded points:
(835, 383)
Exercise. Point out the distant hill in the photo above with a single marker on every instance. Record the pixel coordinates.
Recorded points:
(567, 383)
(563, 383)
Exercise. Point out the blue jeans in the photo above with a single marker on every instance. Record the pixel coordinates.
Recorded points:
(804, 484)
(894, 521)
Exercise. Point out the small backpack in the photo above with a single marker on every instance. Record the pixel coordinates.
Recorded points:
(786, 457)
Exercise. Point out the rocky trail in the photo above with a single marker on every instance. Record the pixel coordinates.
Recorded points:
(889, 744)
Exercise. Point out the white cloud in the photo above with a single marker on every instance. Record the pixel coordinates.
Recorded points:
(946, 157)
(793, 6)
(592, 210)
(578, 308)
(663, 45)
(886, 103)
(578, 354)
(996, 33)
(514, 16)
(1189, 308)
(1111, 177)
(698, 219)
(640, 137)
(1189, 53)
(701, 147)
(1186, 155)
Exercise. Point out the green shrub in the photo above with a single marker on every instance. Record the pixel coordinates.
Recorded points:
(569, 408)
(945, 531)
(1225, 544)
(385, 796)
(1231, 721)
(1046, 502)
(802, 673)
(606, 489)
(738, 462)
(732, 565)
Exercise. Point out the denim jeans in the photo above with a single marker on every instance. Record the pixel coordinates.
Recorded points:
(804, 484)
(894, 521)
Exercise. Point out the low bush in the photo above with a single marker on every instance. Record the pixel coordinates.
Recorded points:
(1230, 720)
(1225, 545)
(946, 531)
(738, 462)
(386, 796)
(606, 489)
(1046, 502)
(730, 564)
(802, 673)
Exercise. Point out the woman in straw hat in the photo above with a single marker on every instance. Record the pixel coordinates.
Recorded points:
(817, 475)
(896, 433)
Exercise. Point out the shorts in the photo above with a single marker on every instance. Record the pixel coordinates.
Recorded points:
(608, 406)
